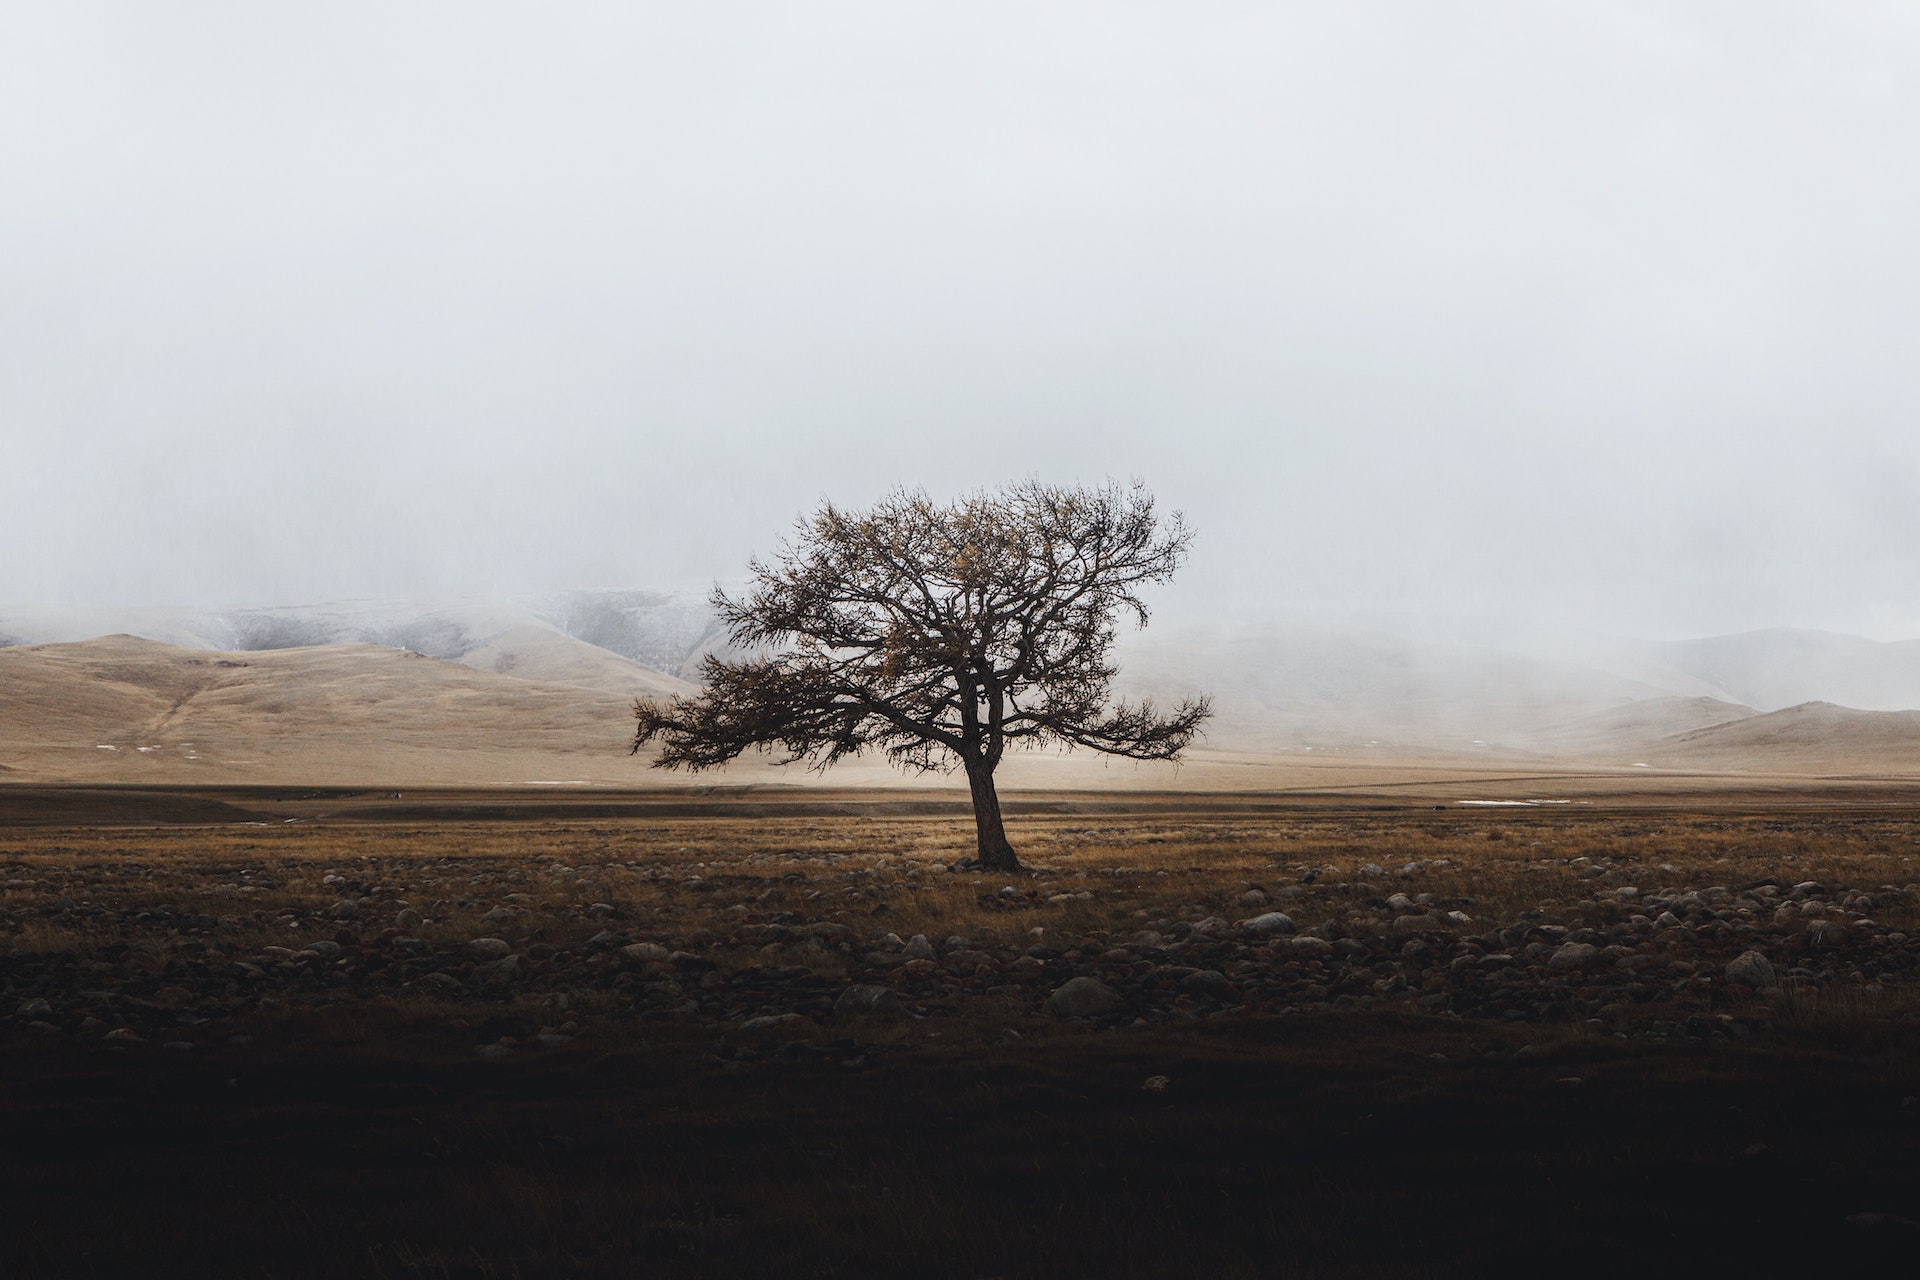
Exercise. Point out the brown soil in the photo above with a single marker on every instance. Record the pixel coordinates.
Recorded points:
(1305, 1114)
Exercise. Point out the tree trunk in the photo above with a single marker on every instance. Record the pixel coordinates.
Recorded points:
(995, 853)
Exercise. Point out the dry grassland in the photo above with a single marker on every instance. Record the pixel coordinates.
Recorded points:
(651, 1069)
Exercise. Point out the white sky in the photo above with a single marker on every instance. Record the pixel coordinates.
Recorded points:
(1603, 314)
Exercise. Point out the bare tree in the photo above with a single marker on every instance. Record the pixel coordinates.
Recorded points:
(941, 636)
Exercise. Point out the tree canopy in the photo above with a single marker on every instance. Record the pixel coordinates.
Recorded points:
(940, 635)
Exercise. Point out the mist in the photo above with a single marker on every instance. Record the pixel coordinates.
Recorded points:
(1587, 316)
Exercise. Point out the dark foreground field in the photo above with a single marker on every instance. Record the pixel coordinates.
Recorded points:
(277, 1051)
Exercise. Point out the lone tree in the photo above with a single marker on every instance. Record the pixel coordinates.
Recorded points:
(940, 635)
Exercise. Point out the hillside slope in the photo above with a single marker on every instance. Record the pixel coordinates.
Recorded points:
(1815, 738)
(125, 709)
(486, 635)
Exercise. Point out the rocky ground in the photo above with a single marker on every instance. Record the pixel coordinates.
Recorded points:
(181, 941)
(1315, 1042)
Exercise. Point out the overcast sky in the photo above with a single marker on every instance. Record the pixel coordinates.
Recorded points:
(1601, 313)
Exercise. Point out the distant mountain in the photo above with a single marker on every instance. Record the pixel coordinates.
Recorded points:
(662, 630)
(126, 709)
(1780, 668)
(487, 635)
(1815, 738)
(1336, 687)
(1629, 733)
(1294, 687)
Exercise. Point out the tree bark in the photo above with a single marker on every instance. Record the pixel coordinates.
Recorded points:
(995, 853)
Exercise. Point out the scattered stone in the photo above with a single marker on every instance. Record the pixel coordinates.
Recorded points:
(769, 1022)
(1752, 969)
(500, 972)
(1083, 997)
(1574, 956)
(1155, 1084)
(35, 1008)
(919, 948)
(1267, 924)
(869, 1001)
(493, 948)
(646, 953)
(1827, 933)
(1207, 982)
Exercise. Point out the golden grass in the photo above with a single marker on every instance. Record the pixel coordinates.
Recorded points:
(670, 879)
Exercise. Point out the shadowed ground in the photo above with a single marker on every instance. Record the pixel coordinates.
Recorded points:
(1348, 1104)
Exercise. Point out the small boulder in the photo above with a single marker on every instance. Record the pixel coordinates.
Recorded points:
(770, 1022)
(1267, 924)
(492, 948)
(918, 948)
(1405, 925)
(1207, 983)
(646, 953)
(1827, 933)
(1572, 957)
(500, 972)
(1083, 998)
(869, 1001)
(1752, 969)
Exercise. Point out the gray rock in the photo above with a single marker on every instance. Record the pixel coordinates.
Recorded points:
(768, 1022)
(1267, 925)
(869, 1001)
(1310, 946)
(499, 915)
(443, 983)
(1083, 998)
(1574, 957)
(1404, 925)
(1207, 983)
(326, 948)
(345, 909)
(493, 948)
(1827, 933)
(1253, 898)
(918, 948)
(646, 953)
(500, 972)
(407, 921)
(35, 1008)
(1753, 969)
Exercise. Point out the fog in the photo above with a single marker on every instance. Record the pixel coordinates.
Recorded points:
(1587, 315)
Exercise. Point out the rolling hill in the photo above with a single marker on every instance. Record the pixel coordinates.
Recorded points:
(125, 709)
(472, 690)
